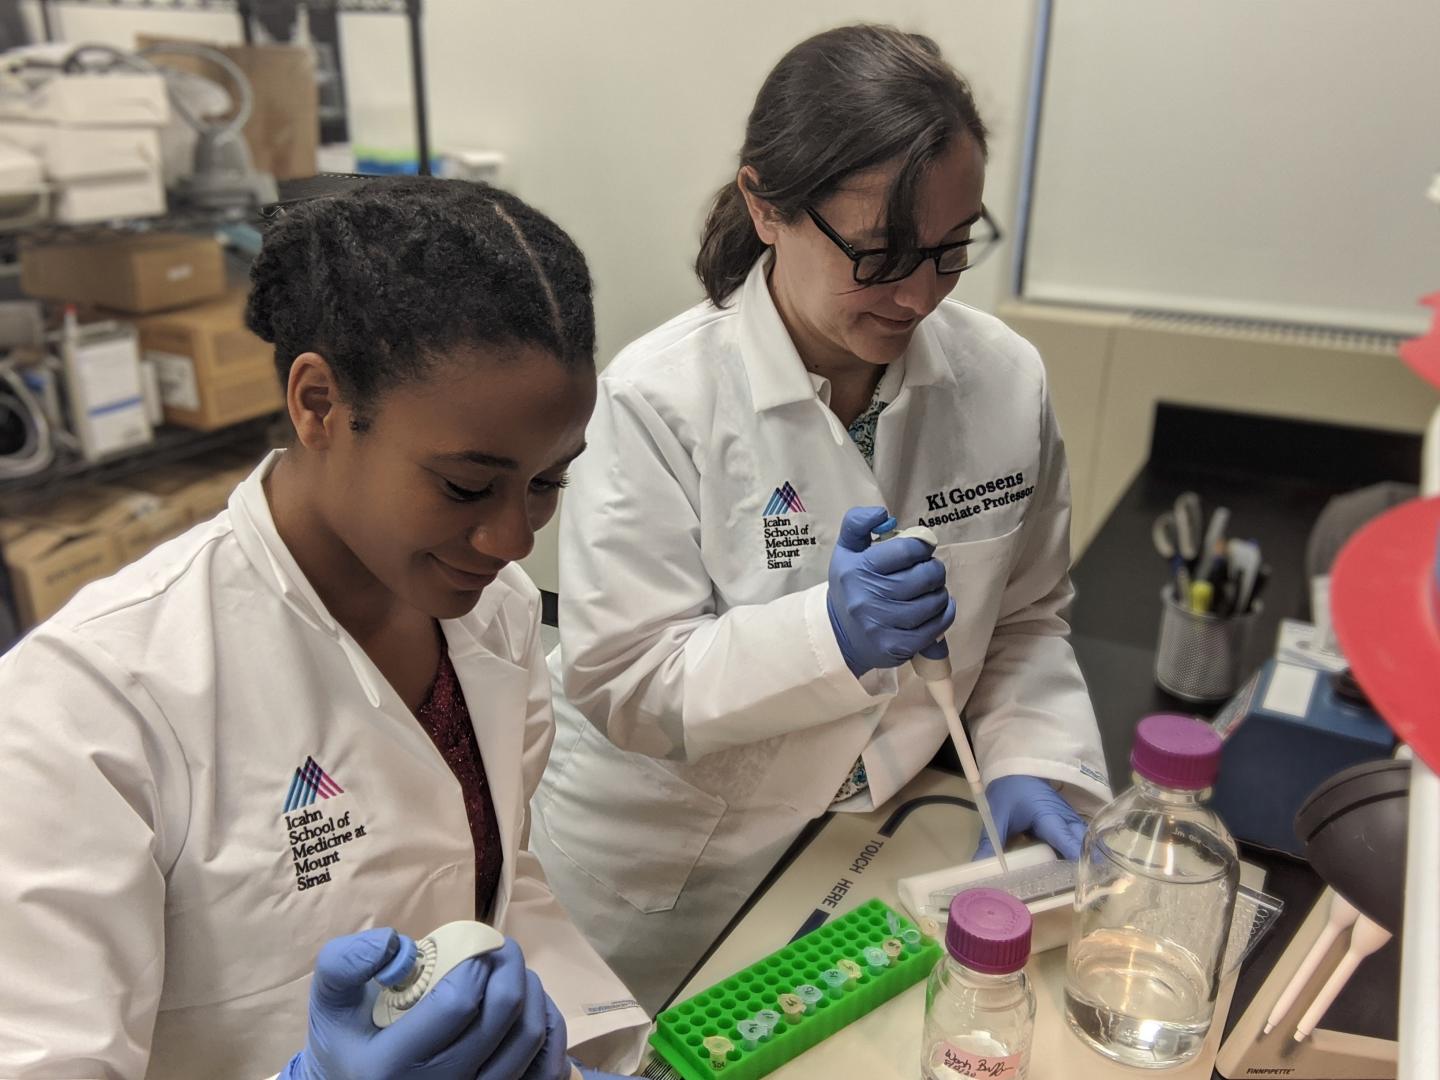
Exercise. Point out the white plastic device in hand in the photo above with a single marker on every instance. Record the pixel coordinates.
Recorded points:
(419, 965)
(936, 671)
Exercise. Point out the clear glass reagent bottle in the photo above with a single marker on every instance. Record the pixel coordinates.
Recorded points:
(979, 1004)
(1153, 902)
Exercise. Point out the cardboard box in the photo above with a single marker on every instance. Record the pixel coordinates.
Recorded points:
(133, 521)
(54, 549)
(134, 274)
(213, 371)
(195, 491)
(49, 565)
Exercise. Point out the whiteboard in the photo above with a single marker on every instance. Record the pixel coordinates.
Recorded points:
(1259, 159)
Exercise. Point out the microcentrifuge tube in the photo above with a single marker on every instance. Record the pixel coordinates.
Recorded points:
(719, 1048)
(930, 927)
(912, 939)
(893, 922)
(834, 980)
(752, 1033)
(876, 960)
(770, 1018)
(893, 948)
(851, 970)
(791, 1005)
(810, 995)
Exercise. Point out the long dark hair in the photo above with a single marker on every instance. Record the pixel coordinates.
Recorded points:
(836, 104)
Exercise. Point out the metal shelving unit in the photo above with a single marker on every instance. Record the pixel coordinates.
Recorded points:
(244, 10)
(171, 445)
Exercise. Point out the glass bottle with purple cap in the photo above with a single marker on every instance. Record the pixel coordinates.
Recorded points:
(1153, 902)
(979, 1005)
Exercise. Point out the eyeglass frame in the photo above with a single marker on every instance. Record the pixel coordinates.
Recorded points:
(933, 254)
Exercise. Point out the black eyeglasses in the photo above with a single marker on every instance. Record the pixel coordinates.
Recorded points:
(869, 265)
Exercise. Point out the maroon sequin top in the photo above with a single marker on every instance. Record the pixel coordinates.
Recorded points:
(446, 719)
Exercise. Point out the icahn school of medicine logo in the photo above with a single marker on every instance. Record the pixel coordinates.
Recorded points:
(315, 839)
(785, 538)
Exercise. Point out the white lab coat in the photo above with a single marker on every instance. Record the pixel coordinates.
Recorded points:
(710, 713)
(153, 917)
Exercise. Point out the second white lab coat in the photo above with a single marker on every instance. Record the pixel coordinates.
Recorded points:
(166, 880)
(704, 710)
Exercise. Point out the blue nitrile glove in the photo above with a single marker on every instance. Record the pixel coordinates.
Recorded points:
(1029, 804)
(485, 1020)
(886, 602)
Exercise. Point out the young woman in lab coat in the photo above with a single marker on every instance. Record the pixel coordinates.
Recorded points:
(732, 656)
(326, 709)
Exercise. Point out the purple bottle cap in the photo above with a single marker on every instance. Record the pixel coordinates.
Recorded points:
(989, 931)
(1176, 752)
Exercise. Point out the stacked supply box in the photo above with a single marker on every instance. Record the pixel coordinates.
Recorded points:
(136, 274)
(96, 137)
(53, 550)
(197, 491)
(213, 371)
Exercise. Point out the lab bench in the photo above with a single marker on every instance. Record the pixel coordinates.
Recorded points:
(1275, 476)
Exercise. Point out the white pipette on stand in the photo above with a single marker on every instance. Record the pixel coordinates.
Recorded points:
(1342, 916)
(933, 665)
(1367, 937)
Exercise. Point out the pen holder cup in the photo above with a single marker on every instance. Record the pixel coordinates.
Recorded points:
(1201, 658)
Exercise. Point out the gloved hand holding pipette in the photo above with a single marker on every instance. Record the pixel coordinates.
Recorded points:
(894, 607)
(886, 602)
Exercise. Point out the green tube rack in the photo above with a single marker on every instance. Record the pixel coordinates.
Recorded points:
(681, 1030)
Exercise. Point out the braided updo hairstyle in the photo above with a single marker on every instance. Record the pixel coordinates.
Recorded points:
(387, 279)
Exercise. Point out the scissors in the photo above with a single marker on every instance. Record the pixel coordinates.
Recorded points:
(1176, 536)
(1189, 519)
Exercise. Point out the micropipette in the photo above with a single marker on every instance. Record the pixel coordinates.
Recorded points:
(1367, 937)
(1342, 916)
(933, 665)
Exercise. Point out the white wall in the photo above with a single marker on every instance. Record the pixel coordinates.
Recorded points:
(1252, 160)
(621, 119)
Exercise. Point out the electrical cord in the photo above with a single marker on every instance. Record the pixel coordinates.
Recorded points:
(243, 96)
(36, 452)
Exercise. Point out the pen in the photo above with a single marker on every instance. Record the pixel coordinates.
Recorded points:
(1201, 595)
(1214, 541)
(1262, 578)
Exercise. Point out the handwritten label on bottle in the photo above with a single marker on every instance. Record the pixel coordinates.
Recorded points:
(964, 1063)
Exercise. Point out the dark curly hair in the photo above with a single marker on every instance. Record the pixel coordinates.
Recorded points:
(385, 280)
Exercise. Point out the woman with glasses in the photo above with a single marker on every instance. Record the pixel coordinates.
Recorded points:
(733, 648)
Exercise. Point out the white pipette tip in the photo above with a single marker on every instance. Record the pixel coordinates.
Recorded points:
(1341, 917)
(942, 691)
(1367, 937)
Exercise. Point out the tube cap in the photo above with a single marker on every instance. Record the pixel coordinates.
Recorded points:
(989, 931)
(1176, 752)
